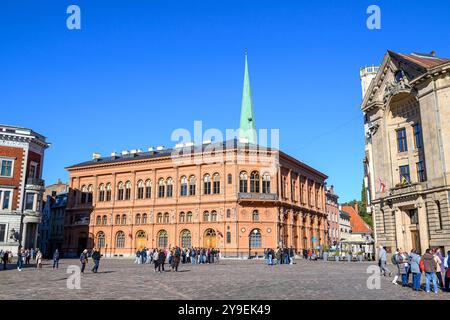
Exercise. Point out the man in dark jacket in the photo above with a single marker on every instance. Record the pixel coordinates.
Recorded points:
(430, 267)
(176, 259)
(96, 257)
(5, 259)
(56, 259)
(161, 260)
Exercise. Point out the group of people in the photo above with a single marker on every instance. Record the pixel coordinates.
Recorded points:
(282, 255)
(24, 257)
(84, 259)
(432, 263)
(175, 256)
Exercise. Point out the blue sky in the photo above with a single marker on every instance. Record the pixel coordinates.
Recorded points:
(137, 70)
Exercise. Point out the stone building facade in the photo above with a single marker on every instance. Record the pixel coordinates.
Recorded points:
(21, 186)
(157, 200)
(407, 162)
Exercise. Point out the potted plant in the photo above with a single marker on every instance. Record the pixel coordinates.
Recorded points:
(361, 256)
(336, 255)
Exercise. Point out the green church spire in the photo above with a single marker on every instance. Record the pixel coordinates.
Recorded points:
(247, 129)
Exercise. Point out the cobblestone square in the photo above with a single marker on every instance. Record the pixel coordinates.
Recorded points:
(228, 279)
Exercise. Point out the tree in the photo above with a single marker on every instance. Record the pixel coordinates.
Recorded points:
(362, 206)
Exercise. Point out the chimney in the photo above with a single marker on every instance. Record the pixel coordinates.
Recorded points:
(96, 156)
(332, 189)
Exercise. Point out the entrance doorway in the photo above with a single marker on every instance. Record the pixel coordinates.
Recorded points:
(415, 240)
(210, 239)
(141, 240)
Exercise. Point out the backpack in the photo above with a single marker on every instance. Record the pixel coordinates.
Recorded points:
(422, 265)
(394, 259)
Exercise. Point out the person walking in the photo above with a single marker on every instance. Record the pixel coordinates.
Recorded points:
(430, 267)
(5, 258)
(447, 271)
(414, 259)
(84, 259)
(39, 259)
(19, 259)
(161, 260)
(394, 260)
(96, 257)
(382, 261)
(156, 259)
(56, 259)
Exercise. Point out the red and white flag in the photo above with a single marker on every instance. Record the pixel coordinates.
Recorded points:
(382, 186)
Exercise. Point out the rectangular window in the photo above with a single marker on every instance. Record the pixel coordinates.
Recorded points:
(33, 170)
(6, 200)
(401, 140)
(418, 136)
(228, 213)
(421, 176)
(207, 187)
(183, 190)
(404, 174)
(161, 192)
(169, 190)
(228, 237)
(230, 179)
(2, 232)
(6, 168)
(216, 187)
(192, 189)
(29, 201)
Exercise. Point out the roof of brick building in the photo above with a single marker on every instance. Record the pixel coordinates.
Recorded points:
(357, 223)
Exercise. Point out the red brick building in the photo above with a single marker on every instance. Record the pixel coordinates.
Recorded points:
(21, 186)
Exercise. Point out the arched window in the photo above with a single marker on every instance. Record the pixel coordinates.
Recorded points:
(98, 221)
(101, 192)
(213, 216)
(140, 189)
(120, 191)
(255, 216)
(206, 216)
(166, 217)
(108, 192)
(266, 183)
(148, 189)
(183, 186)
(127, 190)
(255, 238)
(230, 178)
(138, 219)
(117, 219)
(192, 183)
(120, 239)
(182, 217)
(161, 188)
(254, 182)
(169, 183)
(185, 239)
(124, 219)
(144, 218)
(89, 194)
(243, 182)
(206, 184)
(100, 240)
(105, 220)
(189, 217)
(83, 194)
(159, 219)
(163, 239)
(216, 183)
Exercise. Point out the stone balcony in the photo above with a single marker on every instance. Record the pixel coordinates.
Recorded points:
(257, 196)
(405, 189)
(35, 184)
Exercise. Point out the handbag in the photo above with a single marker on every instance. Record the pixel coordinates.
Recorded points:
(447, 273)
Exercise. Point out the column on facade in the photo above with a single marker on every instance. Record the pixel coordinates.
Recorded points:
(24, 234)
(400, 243)
(423, 226)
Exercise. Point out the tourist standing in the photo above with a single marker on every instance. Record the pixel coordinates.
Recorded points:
(84, 259)
(5, 258)
(56, 259)
(394, 260)
(176, 259)
(291, 255)
(96, 257)
(27, 256)
(19, 259)
(402, 263)
(156, 259)
(440, 263)
(382, 261)
(414, 259)
(161, 260)
(430, 267)
(39, 259)
(447, 271)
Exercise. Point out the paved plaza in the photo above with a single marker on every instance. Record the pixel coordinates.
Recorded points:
(229, 279)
